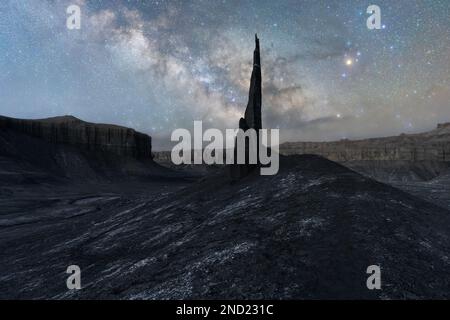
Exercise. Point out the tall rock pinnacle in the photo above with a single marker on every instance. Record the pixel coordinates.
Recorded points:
(252, 117)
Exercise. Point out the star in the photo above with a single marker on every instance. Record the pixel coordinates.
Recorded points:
(168, 62)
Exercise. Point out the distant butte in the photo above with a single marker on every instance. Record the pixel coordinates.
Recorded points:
(433, 145)
(91, 136)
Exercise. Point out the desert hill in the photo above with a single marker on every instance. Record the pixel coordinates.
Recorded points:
(308, 232)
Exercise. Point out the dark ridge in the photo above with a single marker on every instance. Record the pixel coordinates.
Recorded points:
(91, 136)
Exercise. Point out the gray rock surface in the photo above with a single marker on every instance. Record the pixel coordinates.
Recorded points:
(32, 160)
(429, 146)
(90, 136)
(308, 232)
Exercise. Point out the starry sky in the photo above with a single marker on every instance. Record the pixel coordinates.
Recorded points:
(159, 65)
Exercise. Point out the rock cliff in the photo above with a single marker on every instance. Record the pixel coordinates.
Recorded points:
(66, 150)
(91, 136)
(429, 146)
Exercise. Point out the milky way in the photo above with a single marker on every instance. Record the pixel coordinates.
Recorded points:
(159, 65)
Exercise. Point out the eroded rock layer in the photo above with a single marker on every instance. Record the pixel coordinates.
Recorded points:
(91, 136)
(433, 145)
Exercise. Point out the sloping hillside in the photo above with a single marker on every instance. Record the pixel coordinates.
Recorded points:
(308, 232)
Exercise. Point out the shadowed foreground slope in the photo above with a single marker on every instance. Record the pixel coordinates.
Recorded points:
(309, 232)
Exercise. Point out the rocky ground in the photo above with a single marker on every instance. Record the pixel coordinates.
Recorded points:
(309, 232)
(429, 180)
(139, 230)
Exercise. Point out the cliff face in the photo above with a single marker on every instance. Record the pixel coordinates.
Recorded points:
(42, 153)
(91, 136)
(433, 145)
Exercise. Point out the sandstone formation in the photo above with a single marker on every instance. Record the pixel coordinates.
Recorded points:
(90, 136)
(68, 151)
(429, 146)
(252, 117)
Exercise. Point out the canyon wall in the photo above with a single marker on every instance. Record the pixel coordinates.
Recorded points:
(91, 136)
(433, 145)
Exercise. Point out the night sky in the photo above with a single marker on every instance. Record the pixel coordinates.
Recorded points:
(159, 65)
